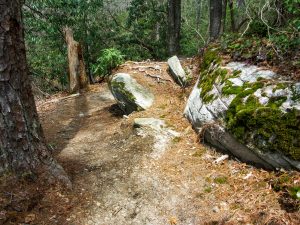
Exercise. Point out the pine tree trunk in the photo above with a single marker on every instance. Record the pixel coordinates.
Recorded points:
(174, 26)
(23, 150)
(198, 13)
(224, 14)
(232, 16)
(87, 48)
(77, 73)
(215, 18)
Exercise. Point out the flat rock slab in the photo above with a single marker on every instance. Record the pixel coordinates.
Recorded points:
(130, 95)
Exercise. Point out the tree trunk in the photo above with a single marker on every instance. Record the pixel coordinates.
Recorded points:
(88, 64)
(215, 18)
(232, 17)
(224, 14)
(280, 8)
(87, 48)
(198, 13)
(241, 3)
(157, 33)
(77, 73)
(23, 150)
(174, 26)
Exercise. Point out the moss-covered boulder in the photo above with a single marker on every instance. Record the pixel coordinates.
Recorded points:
(130, 95)
(247, 111)
(177, 72)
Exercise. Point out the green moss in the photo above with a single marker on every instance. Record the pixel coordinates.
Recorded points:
(163, 116)
(199, 153)
(236, 73)
(210, 56)
(176, 139)
(210, 74)
(243, 91)
(280, 86)
(267, 126)
(128, 103)
(220, 180)
(208, 189)
(208, 98)
(295, 192)
(229, 89)
(276, 102)
(280, 183)
(121, 88)
(249, 121)
(260, 79)
(207, 80)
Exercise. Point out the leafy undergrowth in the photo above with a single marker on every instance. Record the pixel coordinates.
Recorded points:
(82, 131)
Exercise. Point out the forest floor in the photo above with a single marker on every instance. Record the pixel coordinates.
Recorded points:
(116, 179)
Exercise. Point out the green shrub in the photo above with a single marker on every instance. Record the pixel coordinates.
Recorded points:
(109, 59)
(257, 28)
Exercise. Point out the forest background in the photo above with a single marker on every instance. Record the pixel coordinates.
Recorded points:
(112, 31)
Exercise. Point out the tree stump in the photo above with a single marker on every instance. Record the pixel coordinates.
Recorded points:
(77, 73)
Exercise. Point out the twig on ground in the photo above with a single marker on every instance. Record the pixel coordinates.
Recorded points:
(159, 78)
(60, 99)
(156, 67)
(221, 159)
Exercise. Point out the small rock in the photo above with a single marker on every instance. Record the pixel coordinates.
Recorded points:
(177, 71)
(155, 124)
(216, 209)
(130, 95)
(30, 218)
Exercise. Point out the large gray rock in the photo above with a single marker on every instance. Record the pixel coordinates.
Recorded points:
(248, 112)
(130, 95)
(177, 71)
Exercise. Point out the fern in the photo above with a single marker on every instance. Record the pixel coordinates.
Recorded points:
(109, 59)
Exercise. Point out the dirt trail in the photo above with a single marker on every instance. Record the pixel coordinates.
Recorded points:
(117, 181)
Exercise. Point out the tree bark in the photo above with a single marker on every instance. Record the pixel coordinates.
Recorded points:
(23, 150)
(77, 73)
(215, 18)
(198, 13)
(280, 8)
(241, 3)
(232, 16)
(174, 26)
(224, 14)
(87, 47)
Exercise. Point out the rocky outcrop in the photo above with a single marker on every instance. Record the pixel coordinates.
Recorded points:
(177, 72)
(130, 95)
(247, 111)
